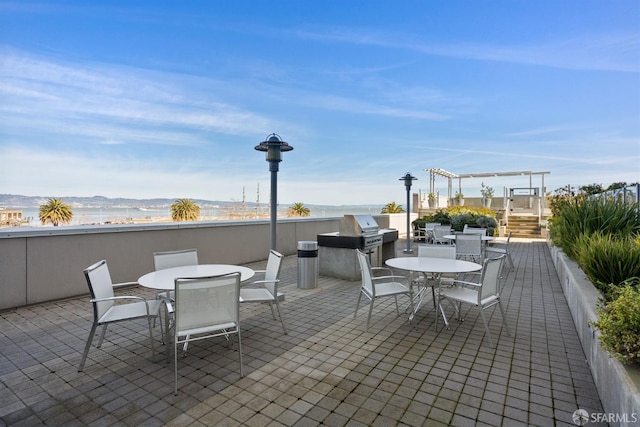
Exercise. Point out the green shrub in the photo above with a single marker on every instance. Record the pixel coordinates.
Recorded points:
(619, 324)
(458, 221)
(487, 222)
(608, 259)
(442, 217)
(582, 215)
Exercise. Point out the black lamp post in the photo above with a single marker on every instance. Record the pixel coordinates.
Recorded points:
(274, 146)
(407, 178)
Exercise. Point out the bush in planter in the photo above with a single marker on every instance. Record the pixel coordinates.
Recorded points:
(487, 222)
(442, 217)
(606, 259)
(619, 324)
(581, 215)
(458, 221)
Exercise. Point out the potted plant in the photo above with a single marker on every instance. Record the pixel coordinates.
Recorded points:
(487, 195)
(432, 200)
(458, 199)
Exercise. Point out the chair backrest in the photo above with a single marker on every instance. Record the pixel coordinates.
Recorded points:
(474, 230)
(441, 230)
(201, 303)
(430, 225)
(365, 271)
(170, 259)
(490, 278)
(437, 251)
(508, 238)
(271, 274)
(100, 286)
(468, 244)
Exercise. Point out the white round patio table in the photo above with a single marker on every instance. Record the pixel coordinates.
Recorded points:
(436, 266)
(165, 279)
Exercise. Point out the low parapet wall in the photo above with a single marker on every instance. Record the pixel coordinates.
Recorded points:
(46, 263)
(617, 384)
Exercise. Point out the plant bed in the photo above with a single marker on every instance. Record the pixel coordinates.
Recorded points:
(618, 384)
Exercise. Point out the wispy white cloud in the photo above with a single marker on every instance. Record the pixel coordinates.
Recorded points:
(609, 52)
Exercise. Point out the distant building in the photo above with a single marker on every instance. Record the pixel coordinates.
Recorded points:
(10, 217)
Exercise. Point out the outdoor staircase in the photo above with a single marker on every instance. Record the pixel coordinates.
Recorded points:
(525, 226)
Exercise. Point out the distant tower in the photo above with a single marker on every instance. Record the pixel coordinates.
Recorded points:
(258, 202)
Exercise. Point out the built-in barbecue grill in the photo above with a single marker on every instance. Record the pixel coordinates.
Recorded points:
(364, 227)
(336, 250)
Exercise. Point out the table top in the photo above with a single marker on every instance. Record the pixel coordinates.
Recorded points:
(453, 236)
(433, 265)
(165, 279)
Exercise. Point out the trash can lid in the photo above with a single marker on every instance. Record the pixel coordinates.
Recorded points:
(307, 245)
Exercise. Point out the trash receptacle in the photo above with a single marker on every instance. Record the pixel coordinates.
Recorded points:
(307, 265)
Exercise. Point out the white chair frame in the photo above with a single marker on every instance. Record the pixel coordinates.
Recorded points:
(483, 295)
(374, 287)
(106, 311)
(268, 290)
(206, 307)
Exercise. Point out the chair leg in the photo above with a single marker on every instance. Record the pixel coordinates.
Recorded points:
(281, 318)
(273, 313)
(87, 346)
(175, 366)
(511, 264)
(240, 350)
(153, 347)
(504, 319)
(357, 305)
(369, 316)
(486, 328)
(395, 297)
(104, 331)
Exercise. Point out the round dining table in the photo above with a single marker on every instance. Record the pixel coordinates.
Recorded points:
(436, 266)
(483, 237)
(165, 280)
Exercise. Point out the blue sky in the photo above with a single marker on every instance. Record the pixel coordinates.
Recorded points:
(168, 99)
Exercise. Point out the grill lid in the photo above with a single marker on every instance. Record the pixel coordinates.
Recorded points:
(358, 225)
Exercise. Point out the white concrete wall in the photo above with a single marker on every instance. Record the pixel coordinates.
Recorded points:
(42, 264)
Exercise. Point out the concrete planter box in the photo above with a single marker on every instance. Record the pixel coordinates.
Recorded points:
(618, 385)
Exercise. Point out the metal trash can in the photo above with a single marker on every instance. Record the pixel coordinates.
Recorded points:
(307, 265)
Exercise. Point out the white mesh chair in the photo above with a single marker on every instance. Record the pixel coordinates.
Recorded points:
(380, 286)
(206, 307)
(267, 292)
(171, 259)
(483, 295)
(105, 309)
(434, 251)
(474, 230)
(469, 246)
(498, 249)
(439, 231)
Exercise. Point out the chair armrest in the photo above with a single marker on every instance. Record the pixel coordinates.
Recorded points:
(124, 284)
(388, 277)
(386, 269)
(465, 283)
(118, 298)
(266, 281)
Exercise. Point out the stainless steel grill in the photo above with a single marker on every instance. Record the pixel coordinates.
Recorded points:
(363, 226)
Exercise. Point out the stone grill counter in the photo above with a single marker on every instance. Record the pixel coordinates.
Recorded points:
(336, 251)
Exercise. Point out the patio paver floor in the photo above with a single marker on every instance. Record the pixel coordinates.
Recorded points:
(326, 371)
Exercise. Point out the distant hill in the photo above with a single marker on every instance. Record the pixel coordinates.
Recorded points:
(16, 201)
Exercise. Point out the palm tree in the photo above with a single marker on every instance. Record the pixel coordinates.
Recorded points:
(55, 212)
(298, 209)
(392, 208)
(184, 210)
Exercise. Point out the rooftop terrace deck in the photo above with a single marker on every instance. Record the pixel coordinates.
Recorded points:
(326, 371)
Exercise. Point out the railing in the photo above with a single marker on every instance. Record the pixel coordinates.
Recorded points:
(627, 194)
